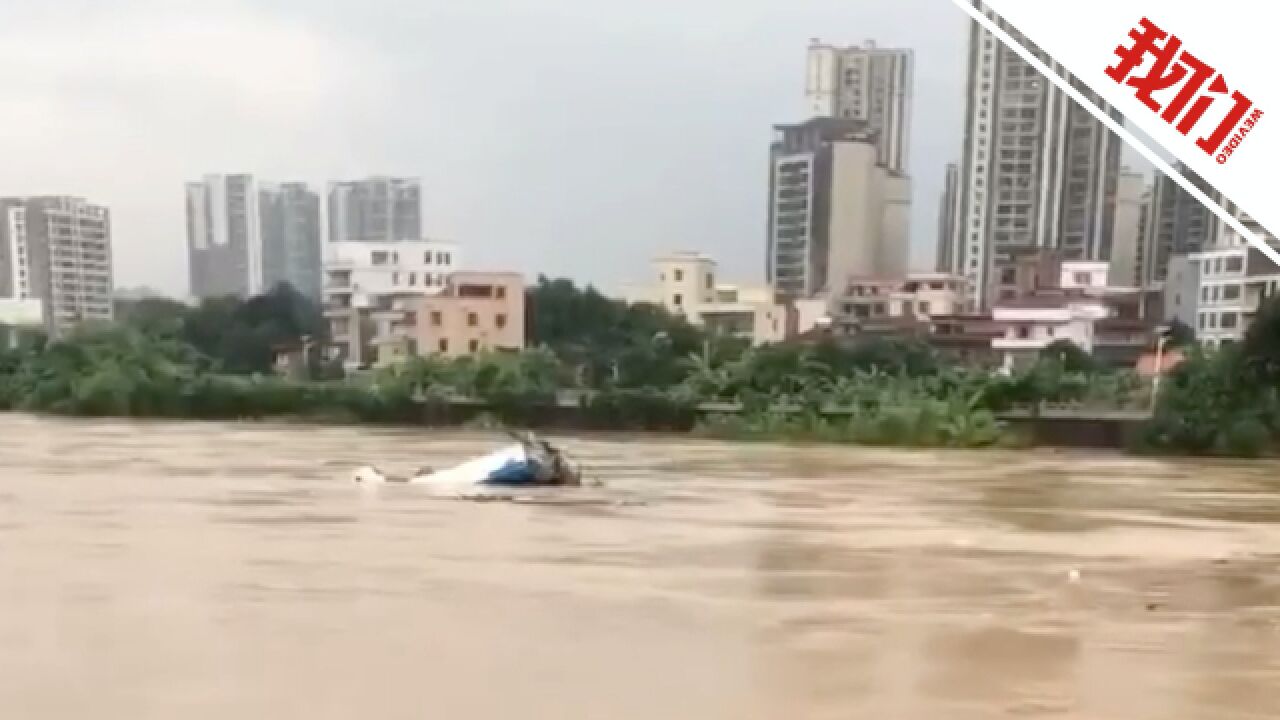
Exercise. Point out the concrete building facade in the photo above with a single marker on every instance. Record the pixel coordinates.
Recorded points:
(376, 209)
(244, 238)
(687, 286)
(1132, 198)
(866, 83)
(1038, 171)
(371, 290)
(948, 218)
(57, 250)
(1178, 224)
(865, 303)
(475, 312)
(834, 212)
(292, 246)
(1218, 291)
(224, 237)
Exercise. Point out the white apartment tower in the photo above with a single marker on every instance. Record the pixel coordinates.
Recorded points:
(1038, 170)
(224, 237)
(867, 83)
(376, 209)
(245, 237)
(57, 250)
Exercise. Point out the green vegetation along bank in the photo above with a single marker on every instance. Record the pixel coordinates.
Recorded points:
(629, 367)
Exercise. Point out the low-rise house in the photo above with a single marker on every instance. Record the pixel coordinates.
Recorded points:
(476, 312)
(687, 286)
(370, 293)
(1219, 291)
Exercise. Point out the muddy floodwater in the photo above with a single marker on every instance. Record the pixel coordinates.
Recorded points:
(204, 571)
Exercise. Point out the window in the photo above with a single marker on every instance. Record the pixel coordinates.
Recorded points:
(426, 258)
(473, 346)
(1049, 330)
(1230, 321)
(472, 320)
(500, 321)
(924, 308)
(413, 279)
(1008, 276)
(444, 345)
(395, 278)
(379, 258)
(1024, 332)
(1235, 264)
(677, 300)
(1202, 323)
(437, 319)
(711, 281)
(1082, 278)
(679, 276)
(1217, 266)
(500, 292)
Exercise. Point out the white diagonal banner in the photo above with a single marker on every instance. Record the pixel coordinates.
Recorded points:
(1194, 79)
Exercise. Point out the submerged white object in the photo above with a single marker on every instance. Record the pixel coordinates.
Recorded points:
(474, 472)
(369, 475)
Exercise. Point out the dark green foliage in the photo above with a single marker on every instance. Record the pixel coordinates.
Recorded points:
(633, 368)
(237, 336)
(1070, 357)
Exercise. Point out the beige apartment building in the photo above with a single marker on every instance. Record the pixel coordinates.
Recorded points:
(687, 286)
(834, 211)
(475, 312)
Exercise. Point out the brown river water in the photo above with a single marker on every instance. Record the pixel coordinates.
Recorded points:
(171, 570)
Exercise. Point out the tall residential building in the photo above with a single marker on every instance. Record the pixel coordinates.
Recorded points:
(1132, 197)
(1039, 170)
(948, 217)
(834, 211)
(292, 249)
(377, 209)
(57, 250)
(1178, 224)
(866, 83)
(244, 238)
(224, 237)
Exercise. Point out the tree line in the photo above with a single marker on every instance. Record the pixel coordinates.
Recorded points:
(631, 367)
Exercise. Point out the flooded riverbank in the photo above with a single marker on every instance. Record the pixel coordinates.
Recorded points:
(161, 570)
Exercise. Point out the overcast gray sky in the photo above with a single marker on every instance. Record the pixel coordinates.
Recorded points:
(571, 137)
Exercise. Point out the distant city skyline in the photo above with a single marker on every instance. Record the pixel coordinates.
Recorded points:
(577, 168)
